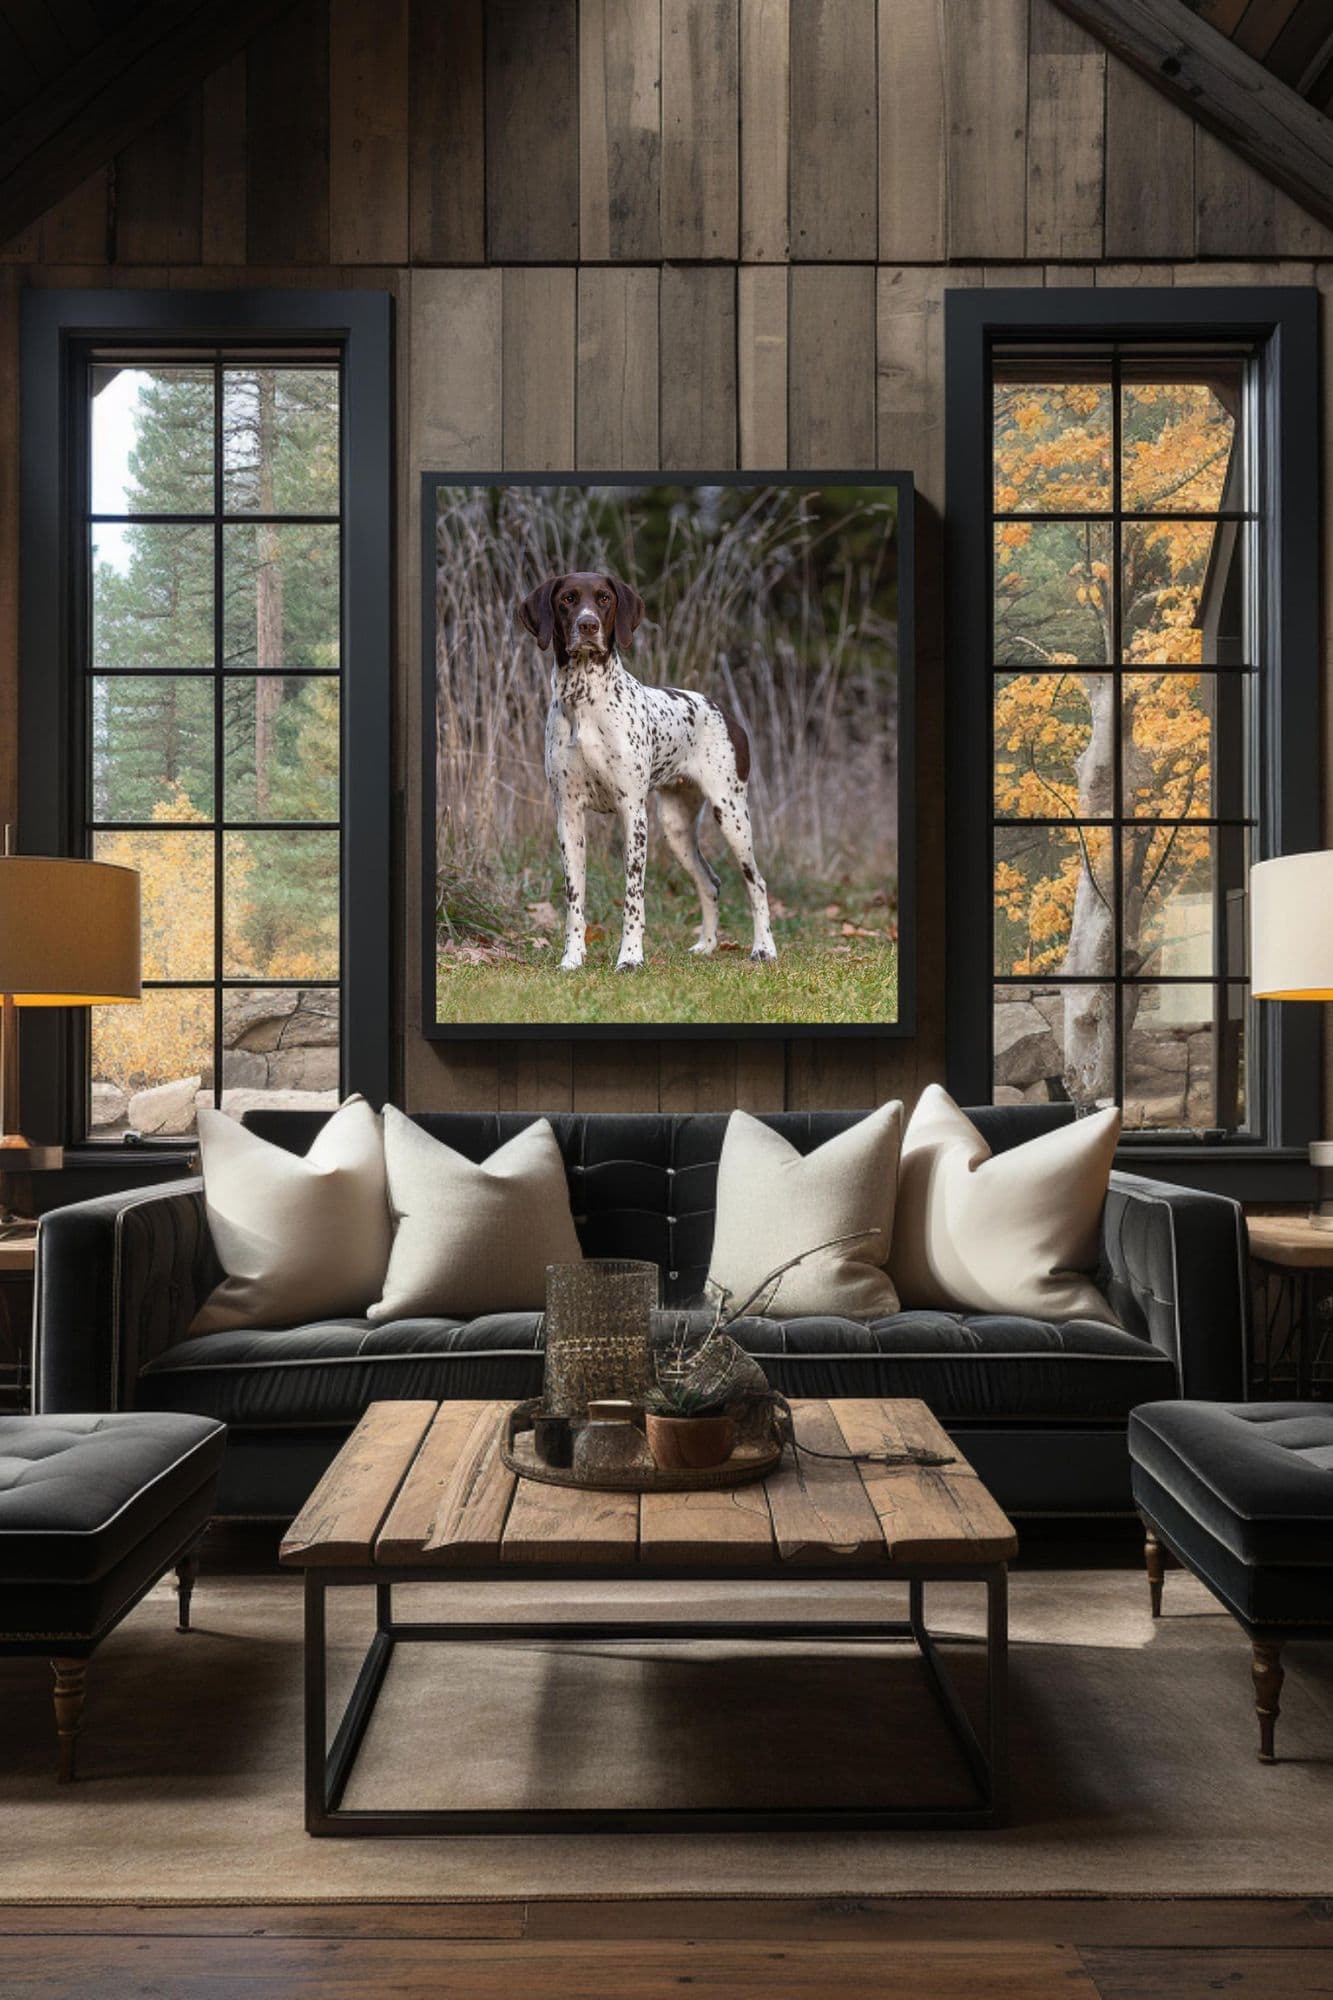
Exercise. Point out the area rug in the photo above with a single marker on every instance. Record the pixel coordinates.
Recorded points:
(1134, 1763)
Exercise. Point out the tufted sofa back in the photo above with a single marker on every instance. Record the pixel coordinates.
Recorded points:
(645, 1184)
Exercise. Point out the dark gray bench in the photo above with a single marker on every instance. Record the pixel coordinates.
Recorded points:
(1242, 1495)
(93, 1511)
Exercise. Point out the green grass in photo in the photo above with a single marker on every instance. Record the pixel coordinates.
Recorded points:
(499, 952)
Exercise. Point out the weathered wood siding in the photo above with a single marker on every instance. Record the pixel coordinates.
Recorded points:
(662, 232)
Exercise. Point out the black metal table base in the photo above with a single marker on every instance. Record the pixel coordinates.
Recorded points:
(328, 1767)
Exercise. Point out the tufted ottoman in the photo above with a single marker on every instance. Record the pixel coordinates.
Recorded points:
(93, 1510)
(1242, 1494)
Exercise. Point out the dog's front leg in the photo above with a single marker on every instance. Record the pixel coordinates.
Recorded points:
(634, 827)
(572, 834)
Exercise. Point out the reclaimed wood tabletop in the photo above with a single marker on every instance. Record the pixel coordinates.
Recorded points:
(423, 1484)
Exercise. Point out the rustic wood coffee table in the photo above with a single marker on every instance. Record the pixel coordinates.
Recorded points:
(419, 1494)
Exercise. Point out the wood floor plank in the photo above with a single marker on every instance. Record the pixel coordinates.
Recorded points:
(819, 1506)
(706, 1528)
(1085, 1921)
(559, 1524)
(1265, 1974)
(909, 1499)
(339, 1521)
(454, 1500)
(422, 1969)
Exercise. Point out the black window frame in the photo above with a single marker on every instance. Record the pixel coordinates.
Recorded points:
(60, 331)
(1281, 324)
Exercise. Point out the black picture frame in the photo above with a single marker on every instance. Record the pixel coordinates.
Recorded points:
(905, 1025)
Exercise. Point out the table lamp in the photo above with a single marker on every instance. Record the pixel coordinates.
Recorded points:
(1291, 958)
(69, 937)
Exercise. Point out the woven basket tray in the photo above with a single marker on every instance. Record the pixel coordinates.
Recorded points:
(749, 1461)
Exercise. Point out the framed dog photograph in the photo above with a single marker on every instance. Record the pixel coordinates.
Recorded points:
(667, 753)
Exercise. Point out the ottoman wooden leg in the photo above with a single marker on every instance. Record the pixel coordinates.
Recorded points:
(71, 1681)
(1268, 1678)
(1154, 1557)
(187, 1569)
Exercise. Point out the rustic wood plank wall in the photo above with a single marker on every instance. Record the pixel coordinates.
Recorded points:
(663, 232)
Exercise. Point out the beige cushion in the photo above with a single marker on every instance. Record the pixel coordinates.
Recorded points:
(1012, 1232)
(299, 1239)
(472, 1238)
(773, 1202)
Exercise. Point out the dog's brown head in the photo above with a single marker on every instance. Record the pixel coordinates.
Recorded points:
(582, 613)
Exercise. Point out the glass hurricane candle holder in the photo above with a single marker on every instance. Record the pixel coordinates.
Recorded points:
(598, 1320)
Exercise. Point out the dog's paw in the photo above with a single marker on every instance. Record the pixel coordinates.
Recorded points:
(624, 964)
(706, 948)
(572, 962)
(762, 956)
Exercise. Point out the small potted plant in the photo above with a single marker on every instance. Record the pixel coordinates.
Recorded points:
(687, 1424)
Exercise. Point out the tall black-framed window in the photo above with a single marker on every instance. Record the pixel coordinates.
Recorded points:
(1131, 513)
(206, 689)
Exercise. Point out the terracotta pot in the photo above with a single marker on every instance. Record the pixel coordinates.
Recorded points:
(689, 1444)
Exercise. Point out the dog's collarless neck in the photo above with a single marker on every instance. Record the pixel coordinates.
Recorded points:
(584, 680)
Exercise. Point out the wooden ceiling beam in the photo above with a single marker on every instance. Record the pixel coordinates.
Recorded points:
(106, 98)
(1264, 119)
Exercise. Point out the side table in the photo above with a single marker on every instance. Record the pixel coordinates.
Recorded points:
(18, 1259)
(1292, 1256)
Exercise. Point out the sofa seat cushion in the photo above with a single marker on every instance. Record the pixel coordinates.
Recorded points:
(330, 1371)
(986, 1366)
(79, 1495)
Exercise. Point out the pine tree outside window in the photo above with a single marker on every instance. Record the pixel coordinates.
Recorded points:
(212, 683)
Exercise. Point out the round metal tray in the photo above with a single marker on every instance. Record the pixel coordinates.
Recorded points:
(750, 1460)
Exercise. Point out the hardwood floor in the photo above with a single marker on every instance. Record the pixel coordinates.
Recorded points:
(930, 1949)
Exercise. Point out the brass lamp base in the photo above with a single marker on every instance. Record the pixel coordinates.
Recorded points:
(19, 1160)
(1321, 1159)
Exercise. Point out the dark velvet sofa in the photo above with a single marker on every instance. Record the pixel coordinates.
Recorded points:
(1040, 1409)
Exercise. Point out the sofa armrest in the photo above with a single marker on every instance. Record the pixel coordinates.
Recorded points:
(118, 1279)
(1174, 1269)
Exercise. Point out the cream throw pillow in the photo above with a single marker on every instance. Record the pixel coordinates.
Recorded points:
(1012, 1232)
(299, 1239)
(471, 1238)
(773, 1202)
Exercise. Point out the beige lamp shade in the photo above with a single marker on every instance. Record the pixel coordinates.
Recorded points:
(69, 932)
(1291, 927)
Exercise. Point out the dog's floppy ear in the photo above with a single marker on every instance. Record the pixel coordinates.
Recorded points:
(629, 610)
(537, 614)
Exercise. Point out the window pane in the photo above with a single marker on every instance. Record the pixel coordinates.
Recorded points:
(1185, 1056)
(280, 918)
(1054, 900)
(176, 897)
(152, 747)
(1043, 727)
(280, 597)
(1183, 594)
(277, 1041)
(1054, 1043)
(152, 593)
(280, 440)
(1052, 445)
(152, 440)
(1184, 739)
(1181, 437)
(1053, 593)
(150, 1062)
(282, 748)
(1184, 891)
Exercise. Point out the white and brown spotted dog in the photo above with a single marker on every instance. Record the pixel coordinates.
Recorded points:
(610, 741)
